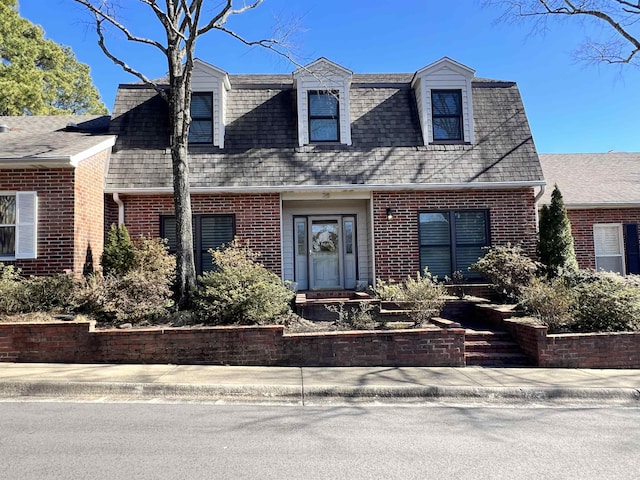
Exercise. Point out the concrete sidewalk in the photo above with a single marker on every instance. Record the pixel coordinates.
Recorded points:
(314, 385)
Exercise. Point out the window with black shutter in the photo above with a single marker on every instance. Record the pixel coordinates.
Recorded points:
(452, 240)
(209, 233)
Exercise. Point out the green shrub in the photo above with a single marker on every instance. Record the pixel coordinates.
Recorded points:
(48, 294)
(141, 295)
(390, 291)
(240, 290)
(34, 294)
(507, 268)
(10, 290)
(606, 302)
(359, 318)
(118, 254)
(551, 302)
(422, 296)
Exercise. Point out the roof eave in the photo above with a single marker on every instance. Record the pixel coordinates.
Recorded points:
(329, 188)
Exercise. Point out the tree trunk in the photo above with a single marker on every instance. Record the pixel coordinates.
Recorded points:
(179, 120)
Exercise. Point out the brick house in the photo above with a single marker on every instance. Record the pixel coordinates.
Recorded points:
(602, 194)
(52, 171)
(336, 178)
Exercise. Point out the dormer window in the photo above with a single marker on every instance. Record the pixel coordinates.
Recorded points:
(201, 130)
(324, 116)
(322, 91)
(446, 108)
(445, 105)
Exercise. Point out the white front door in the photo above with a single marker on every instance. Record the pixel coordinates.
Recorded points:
(325, 253)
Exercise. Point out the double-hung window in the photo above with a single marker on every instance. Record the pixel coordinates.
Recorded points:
(452, 240)
(18, 221)
(201, 130)
(209, 233)
(609, 247)
(446, 115)
(324, 118)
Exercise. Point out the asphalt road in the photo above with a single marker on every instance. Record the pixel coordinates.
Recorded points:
(182, 441)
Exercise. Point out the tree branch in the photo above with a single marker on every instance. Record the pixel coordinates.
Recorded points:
(99, 13)
(122, 64)
(620, 17)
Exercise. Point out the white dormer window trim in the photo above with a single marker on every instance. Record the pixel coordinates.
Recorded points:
(208, 79)
(444, 76)
(323, 77)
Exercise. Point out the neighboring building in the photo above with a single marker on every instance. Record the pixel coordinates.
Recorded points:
(602, 194)
(51, 192)
(336, 178)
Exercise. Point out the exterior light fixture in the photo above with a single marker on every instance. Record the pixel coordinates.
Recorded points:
(390, 213)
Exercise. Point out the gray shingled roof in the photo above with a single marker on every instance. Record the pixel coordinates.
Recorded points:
(261, 149)
(597, 179)
(42, 138)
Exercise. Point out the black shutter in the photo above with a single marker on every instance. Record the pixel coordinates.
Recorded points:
(631, 248)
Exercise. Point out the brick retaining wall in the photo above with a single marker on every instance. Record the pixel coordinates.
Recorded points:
(78, 342)
(576, 350)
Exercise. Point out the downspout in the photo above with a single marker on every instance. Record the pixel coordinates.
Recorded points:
(535, 203)
(120, 203)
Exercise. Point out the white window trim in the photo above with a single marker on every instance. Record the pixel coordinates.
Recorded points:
(26, 236)
(323, 75)
(620, 255)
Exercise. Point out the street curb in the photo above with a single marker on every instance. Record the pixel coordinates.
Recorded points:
(148, 391)
(478, 393)
(298, 395)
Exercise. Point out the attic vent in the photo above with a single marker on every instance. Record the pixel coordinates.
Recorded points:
(4, 128)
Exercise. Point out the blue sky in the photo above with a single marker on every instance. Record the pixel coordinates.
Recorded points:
(572, 106)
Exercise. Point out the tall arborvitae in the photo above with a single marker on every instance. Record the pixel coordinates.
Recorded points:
(555, 243)
(117, 257)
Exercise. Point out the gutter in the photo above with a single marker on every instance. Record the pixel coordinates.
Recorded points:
(334, 188)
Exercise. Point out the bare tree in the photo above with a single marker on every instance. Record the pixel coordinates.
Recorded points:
(620, 18)
(183, 22)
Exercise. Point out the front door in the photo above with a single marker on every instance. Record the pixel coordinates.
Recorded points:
(324, 253)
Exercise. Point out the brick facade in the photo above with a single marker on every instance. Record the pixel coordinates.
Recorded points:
(257, 218)
(89, 213)
(582, 222)
(511, 219)
(70, 214)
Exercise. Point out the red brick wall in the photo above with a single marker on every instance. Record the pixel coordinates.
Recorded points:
(257, 218)
(78, 343)
(511, 218)
(577, 350)
(55, 189)
(89, 213)
(582, 222)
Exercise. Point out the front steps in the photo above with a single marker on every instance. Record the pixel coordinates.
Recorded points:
(492, 349)
(484, 344)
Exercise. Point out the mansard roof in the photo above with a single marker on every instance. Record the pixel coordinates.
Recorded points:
(261, 149)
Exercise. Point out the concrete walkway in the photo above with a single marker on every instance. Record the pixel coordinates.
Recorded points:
(314, 385)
